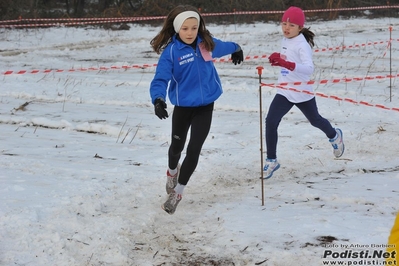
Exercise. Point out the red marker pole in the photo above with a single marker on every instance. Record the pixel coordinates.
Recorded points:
(260, 70)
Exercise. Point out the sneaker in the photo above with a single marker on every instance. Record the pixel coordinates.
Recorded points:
(171, 180)
(171, 203)
(338, 144)
(269, 168)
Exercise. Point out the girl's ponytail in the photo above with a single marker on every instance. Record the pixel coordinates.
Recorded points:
(309, 36)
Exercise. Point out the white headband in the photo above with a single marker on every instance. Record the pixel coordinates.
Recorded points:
(179, 19)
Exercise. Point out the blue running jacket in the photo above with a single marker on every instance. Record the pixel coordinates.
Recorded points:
(190, 80)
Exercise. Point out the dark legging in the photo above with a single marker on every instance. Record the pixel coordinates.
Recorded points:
(280, 107)
(199, 119)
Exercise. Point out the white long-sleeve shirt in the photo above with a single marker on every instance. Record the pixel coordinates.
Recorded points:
(296, 50)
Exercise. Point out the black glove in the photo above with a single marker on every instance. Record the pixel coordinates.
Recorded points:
(237, 57)
(160, 108)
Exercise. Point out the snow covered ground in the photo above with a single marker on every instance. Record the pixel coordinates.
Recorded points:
(83, 162)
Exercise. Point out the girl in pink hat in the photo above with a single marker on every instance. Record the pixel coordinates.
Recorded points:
(296, 65)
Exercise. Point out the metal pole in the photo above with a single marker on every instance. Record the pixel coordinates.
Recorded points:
(260, 69)
(390, 63)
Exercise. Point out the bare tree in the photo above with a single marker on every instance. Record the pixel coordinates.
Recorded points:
(78, 7)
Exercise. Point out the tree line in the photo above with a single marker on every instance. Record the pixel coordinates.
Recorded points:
(14, 9)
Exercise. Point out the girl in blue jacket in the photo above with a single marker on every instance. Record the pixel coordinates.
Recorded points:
(185, 71)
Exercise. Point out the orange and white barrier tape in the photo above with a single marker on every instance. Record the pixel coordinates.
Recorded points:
(326, 81)
(334, 97)
(221, 60)
(82, 69)
(83, 21)
(79, 22)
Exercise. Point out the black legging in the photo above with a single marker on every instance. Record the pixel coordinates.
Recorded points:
(279, 107)
(199, 119)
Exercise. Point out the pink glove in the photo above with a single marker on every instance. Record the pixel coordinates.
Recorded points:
(276, 60)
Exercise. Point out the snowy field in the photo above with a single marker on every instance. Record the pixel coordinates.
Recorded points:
(83, 157)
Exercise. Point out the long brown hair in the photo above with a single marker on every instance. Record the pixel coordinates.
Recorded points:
(164, 37)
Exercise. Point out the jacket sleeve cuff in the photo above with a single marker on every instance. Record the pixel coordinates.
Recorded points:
(238, 48)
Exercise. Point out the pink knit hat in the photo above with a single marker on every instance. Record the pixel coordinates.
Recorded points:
(294, 15)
